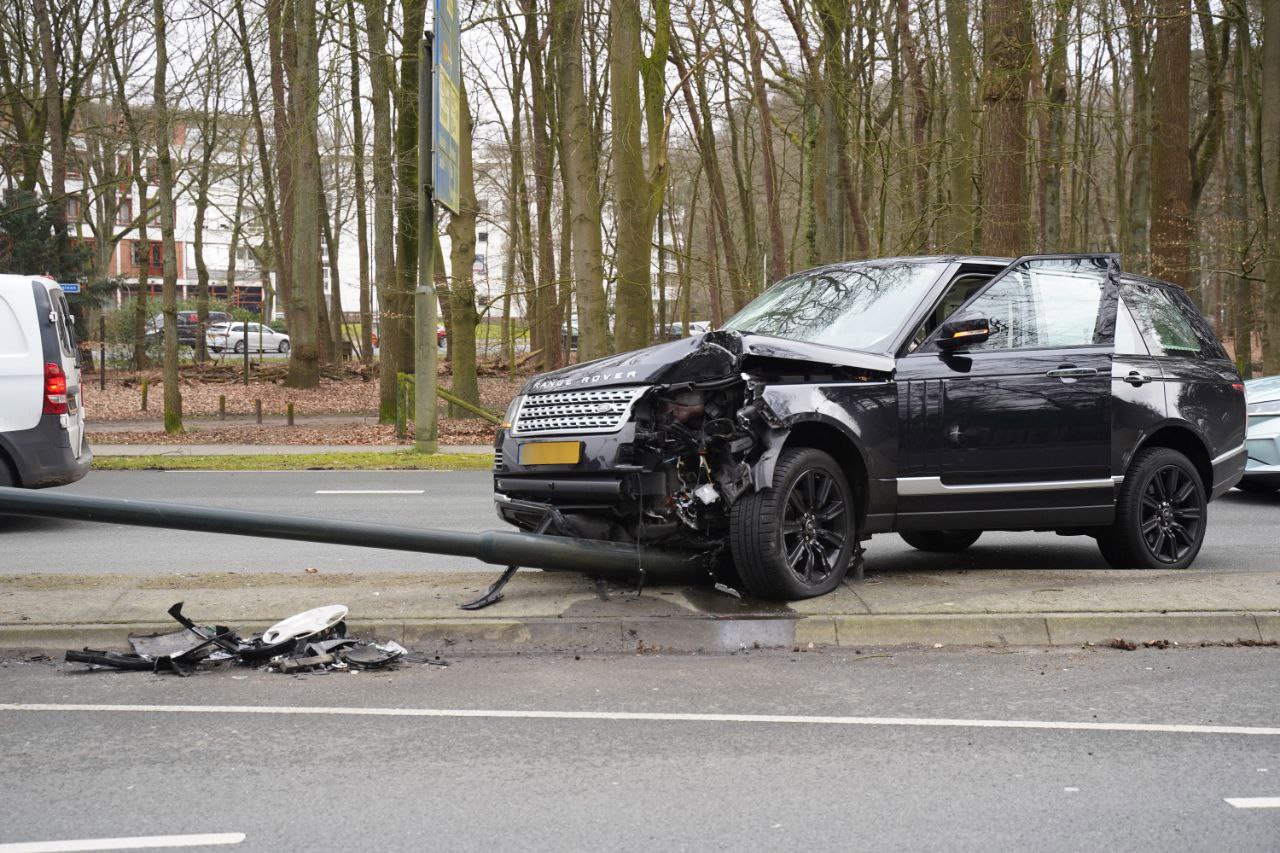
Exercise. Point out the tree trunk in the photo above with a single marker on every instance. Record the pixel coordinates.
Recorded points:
(1237, 196)
(53, 94)
(304, 98)
(279, 14)
(1007, 58)
(777, 264)
(633, 299)
(545, 303)
(407, 236)
(164, 161)
(1170, 123)
(462, 258)
(357, 168)
(1270, 151)
(385, 274)
(962, 217)
(577, 146)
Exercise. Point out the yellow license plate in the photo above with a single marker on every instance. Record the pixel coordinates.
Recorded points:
(550, 453)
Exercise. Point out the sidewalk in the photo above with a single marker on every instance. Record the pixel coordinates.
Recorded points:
(569, 613)
(273, 449)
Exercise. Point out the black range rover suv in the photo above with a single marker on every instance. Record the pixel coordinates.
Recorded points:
(935, 397)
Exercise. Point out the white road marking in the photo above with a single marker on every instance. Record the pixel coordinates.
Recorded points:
(371, 491)
(137, 843)
(649, 716)
(1254, 802)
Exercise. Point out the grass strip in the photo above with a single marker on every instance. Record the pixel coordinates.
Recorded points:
(403, 460)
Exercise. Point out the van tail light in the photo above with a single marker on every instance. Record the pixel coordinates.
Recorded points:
(1238, 387)
(55, 389)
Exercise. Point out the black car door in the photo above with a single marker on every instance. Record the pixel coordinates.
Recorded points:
(1015, 430)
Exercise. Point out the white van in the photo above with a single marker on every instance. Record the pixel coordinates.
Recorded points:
(41, 418)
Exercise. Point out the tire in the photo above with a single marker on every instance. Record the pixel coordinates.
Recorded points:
(239, 347)
(284, 346)
(940, 541)
(1161, 514)
(795, 540)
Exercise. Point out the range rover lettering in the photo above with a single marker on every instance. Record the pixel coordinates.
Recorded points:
(932, 397)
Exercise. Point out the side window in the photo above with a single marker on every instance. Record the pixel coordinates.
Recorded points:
(1128, 337)
(1161, 322)
(958, 292)
(1044, 303)
(62, 319)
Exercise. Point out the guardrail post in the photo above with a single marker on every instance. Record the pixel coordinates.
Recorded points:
(288, 413)
(144, 393)
(257, 410)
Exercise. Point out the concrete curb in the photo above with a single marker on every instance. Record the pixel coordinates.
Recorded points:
(720, 635)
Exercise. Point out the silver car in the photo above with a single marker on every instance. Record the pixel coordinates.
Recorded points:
(1262, 471)
(231, 337)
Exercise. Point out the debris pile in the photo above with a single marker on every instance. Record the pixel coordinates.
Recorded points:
(310, 641)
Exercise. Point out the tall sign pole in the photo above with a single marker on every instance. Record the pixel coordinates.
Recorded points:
(424, 307)
(439, 142)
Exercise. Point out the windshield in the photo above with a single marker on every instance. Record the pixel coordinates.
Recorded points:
(860, 307)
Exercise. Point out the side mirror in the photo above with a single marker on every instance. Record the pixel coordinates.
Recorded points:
(954, 334)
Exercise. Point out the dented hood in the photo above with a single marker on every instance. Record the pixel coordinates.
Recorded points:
(702, 358)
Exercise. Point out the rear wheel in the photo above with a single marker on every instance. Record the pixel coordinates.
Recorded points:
(1160, 514)
(239, 346)
(940, 541)
(795, 540)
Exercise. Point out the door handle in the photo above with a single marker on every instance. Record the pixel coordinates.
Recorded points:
(1068, 371)
(1136, 378)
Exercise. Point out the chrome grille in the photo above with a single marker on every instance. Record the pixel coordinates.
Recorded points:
(497, 459)
(586, 411)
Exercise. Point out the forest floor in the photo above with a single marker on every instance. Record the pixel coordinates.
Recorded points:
(342, 410)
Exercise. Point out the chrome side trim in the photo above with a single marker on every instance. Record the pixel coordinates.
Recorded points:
(1230, 454)
(922, 486)
(1117, 479)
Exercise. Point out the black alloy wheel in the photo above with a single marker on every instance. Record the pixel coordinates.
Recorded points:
(796, 539)
(1172, 514)
(813, 526)
(1161, 513)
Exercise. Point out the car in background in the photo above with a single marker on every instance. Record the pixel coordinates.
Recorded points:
(1262, 442)
(675, 331)
(188, 326)
(42, 441)
(230, 337)
(440, 336)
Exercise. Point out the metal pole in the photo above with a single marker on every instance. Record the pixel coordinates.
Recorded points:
(245, 337)
(553, 553)
(102, 353)
(424, 307)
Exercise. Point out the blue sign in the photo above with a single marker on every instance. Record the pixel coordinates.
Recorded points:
(446, 134)
(69, 287)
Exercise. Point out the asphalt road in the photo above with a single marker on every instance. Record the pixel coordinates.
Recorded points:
(1244, 530)
(556, 754)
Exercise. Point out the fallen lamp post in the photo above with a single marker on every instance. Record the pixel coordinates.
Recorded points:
(498, 547)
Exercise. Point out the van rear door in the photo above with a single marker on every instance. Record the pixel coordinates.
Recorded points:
(63, 326)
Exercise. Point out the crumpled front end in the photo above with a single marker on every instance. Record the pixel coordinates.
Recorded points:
(659, 456)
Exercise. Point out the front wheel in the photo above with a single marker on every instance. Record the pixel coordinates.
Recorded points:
(284, 346)
(795, 540)
(239, 346)
(1160, 514)
(940, 541)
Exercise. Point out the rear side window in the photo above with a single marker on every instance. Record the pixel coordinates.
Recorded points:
(1163, 324)
(62, 319)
